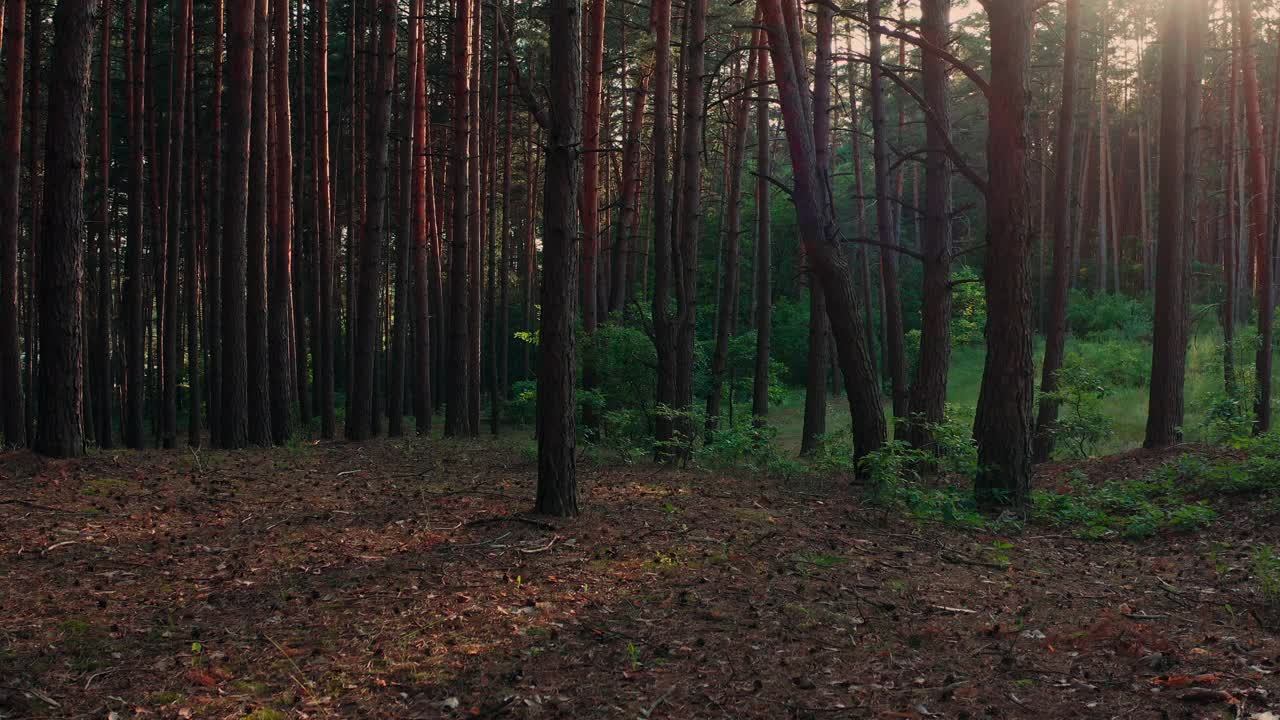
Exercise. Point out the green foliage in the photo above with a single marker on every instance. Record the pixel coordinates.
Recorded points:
(742, 445)
(1082, 424)
(1130, 509)
(1113, 314)
(968, 306)
(1266, 573)
(522, 407)
(1116, 363)
(789, 344)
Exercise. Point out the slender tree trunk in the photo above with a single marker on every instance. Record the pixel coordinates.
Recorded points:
(360, 420)
(239, 107)
(102, 352)
(1169, 331)
(213, 287)
(764, 251)
(14, 424)
(1055, 341)
(727, 312)
(456, 414)
(663, 326)
(475, 248)
(557, 479)
(590, 201)
(815, 394)
(628, 197)
(419, 235)
(325, 224)
(280, 298)
(60, 432)
(1230, 247)
(404, 240)
(1002, 423)
(1257, 205)
(173, 230)
(258, 350)
(134, 303)
(895, 352)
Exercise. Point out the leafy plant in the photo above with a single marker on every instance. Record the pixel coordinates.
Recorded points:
(1082, 423)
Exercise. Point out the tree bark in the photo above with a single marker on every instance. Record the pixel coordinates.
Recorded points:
(764, 251)
(258, 361)
(821, 238)
(590, 200)
(1002, 423)
(1169, 327)
(663, 327)
(456, 414)
(239, 108)
(173, 230)
(1055, 341)
(815, 394)
(420, 240)
(360, 420)
(280, 338)
(557, 479)
(14, 423)
(1257, 206)
(60, 431)
(325, 224)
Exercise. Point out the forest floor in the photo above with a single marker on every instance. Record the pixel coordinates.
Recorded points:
(403, 579)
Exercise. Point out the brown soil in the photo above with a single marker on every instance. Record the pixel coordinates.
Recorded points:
(403, 579)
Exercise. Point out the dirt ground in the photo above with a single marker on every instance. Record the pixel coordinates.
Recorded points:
(405, 579)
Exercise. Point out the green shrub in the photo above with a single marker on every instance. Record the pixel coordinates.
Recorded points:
(1090, 314)
(1082, 422)
(523, 406)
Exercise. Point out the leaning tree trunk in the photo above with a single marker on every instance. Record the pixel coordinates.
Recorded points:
(820, 235)
(557, 479)
(1055, 341)
(1002, 424)
(1169, 326)
(60, 432)
(14, 424)
(360, 421)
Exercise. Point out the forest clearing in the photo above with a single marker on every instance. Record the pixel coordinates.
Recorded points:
(403, 579)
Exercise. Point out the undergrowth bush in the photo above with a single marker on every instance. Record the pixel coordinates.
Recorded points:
(1092, 314)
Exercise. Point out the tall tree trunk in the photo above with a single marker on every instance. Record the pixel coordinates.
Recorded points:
(325, 224)
(420, 240)
(135, 307)
(1257, 205)
(456, 414)
(821, 238)
(727, 312)
(258, 350)
(1002, 424)
(14, 424)
(764, 251)
(213, 287)
(475, 230)
(360, 420)
(628, 197)
(280, 317)
(886, 228)
(927, 404)
(815, 392)
(663, 326)
(60, 432)
(557, 479)
(689, 222)
(404, 239)
(1169, 327)
(1055, 341)
(102, 351)
(590, 201)
(173, 229)
(239, 108)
